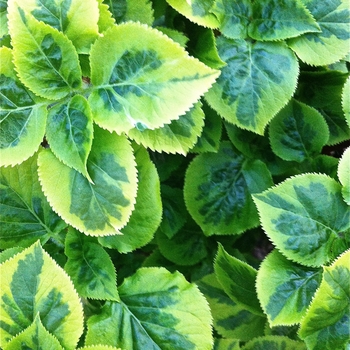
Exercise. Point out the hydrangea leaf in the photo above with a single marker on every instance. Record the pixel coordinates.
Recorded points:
(147, 213)
(175, 35)
(327, 322)
(144, 79)
(48, 293)
(105, 20)
(238, 280)
(344, 174)
(35, 337)
(70, 132)
(99, 347)
(9, 253)
(346, 101)
(24, 211)
(274, 342)
(304, 228)
(224, 344)
(285, 289)
(166, 314)
(90, 267)
(294, 135)
(251, 90)
(198, 11)
(23, 117)
(45, 59)
(231, 320)
(332, 43)
(76, 19)
(3, 18)
(104, 206)
(177, 137)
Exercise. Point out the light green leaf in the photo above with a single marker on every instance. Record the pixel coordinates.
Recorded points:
(33, 284)
(227, 344)
(105, 20)
(35, 337)
(70, 132)
(143, 79)
(274, 342)
(257, 82)
(3, 18)
(285, 289)
(90, 267)
(45, 59)
(298, 132)
(198, 11)
(23, 118)
(306, 218)
(346, 100)
(25, 214)
(344, 174)
(332, 43)
(99, 347)
(177, 137)
(9, 253)
(327, 322)
(147, 214)
(104, 206)
(168, 314)
(175, 35)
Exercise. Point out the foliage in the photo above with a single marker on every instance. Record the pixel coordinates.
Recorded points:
(195, 151)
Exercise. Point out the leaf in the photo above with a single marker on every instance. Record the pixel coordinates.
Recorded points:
(198, 11)
(306, 218)
(167, 314)
(332, 43)
(344, 175)
(346, 101)
(285, 289)
(144, 79)
(147, 213)
(175, 35)
(99, 347)
(105, 20)
(250, 89)
(298, 132)
(45, 59)
(177, 137)
(224, 344)
(104, 206)
(327, 322)
(74, 18)
(70, 132)
(35, 337)
(22, 118)
(33, 284)
(3, 18)
(273, 342)
(25, 214)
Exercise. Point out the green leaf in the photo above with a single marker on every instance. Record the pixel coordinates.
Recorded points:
(224, 344)
(25, 214)
(332, 43)
(75, 18)
(175, 35)
(177, 137)
(327, 322)
(35, 337)
(285, 289)
(274, 342)
(90, 267)
(143, 79)
(105, 20)
(147, 214)
(45, 59)
(104, 206)
(344, 175)
(250, 89)
(99, 347)
(168, 314)
(306, 218)
(23, 119)
(346, 101)
(3, 18)
(9, 253)
(70, 132)
(231, 320)
(33, 284)
(298, 132)
(238, 280)
(198, 11)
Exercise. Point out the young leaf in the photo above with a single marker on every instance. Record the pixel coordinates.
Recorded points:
(70, 131)
(45, 59)
(33, 284)
(168, 314)
(104, 206)
(327, 322)
(143, 79)
(25, 214)
(274, 342)
(344, 175)
(298, 132)
(23, 118)
(90, 267)
(332, 43)
(285, 289)
(306, 218)
(346, 100)
(105, 20)
(251, 90)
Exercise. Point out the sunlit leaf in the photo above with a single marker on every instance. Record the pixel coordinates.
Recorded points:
(344, 174)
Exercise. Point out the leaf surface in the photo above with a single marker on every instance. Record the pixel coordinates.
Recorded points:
(346, 100)
(274, 342)
(344, 175)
